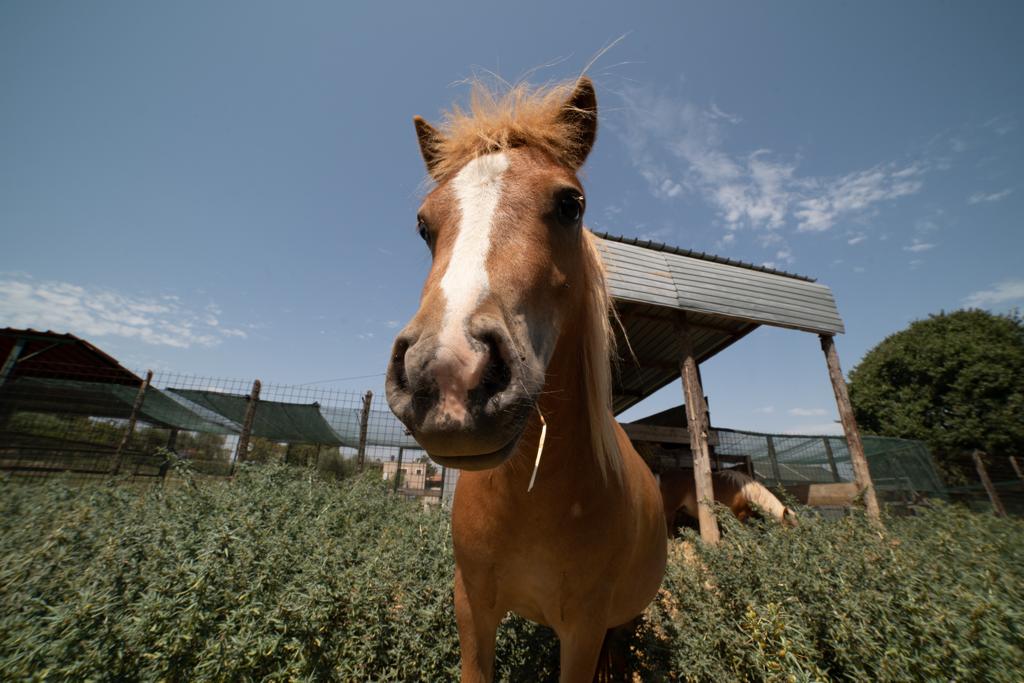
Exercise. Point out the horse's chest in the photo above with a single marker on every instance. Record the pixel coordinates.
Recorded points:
(535, 561)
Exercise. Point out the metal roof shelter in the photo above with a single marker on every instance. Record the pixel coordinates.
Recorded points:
(32, 353)
(680, 307)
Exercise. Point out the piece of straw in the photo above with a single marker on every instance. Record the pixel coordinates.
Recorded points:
(540, 449)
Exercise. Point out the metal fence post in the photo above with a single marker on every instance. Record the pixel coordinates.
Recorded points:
(132, 419)
(398, 469)
(1016, 467)
(242, 452)
(774, 460)
(993, 496)
(831, 458)
(363, 423)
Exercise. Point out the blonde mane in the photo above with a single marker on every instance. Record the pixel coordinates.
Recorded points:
(598, 348)
(756, 493)
(521, 115)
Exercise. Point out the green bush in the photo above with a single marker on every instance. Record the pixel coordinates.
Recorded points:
(282, 575)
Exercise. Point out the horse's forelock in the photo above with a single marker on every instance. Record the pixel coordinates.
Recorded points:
(501, 119)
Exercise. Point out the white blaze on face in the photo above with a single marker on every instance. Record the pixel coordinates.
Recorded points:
(477, 188)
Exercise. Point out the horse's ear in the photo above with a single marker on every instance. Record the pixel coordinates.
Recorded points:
(580, 112)
(430, 142)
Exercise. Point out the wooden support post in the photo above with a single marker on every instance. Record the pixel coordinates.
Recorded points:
(12, 359)
(398, 470)
(993, 495)
(748, 464)
(831, 458)
(242, 452)
(1016, 466)
(7, 408)
(861, 473)
(773, 458)
(133, 417)
(697, 424)
(444, 475)
(172, 444)
(316, 458)
(363, 423)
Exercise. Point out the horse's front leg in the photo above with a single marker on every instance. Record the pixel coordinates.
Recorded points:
(478, 626)
(580, 648)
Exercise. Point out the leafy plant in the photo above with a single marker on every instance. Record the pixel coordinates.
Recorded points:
(282, 575)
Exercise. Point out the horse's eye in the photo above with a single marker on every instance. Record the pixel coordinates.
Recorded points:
(424, 231)
(570, 207)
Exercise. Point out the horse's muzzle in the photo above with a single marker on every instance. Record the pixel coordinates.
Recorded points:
(465, 403)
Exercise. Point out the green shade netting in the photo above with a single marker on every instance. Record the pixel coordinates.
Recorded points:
(290, 422)
(99, 399)
(897, 464)
(382, 427)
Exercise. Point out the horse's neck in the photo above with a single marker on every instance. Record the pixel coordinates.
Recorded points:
(568, 457)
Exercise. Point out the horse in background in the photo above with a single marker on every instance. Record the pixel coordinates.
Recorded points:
(743, 495)
(504, 372)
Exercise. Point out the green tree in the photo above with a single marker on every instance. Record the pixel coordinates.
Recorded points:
(954, 380)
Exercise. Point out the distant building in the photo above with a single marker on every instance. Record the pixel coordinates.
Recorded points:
(413, 475)
(415, 480)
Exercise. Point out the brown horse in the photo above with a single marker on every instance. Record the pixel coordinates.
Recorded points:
(743, 495)
(504, 372)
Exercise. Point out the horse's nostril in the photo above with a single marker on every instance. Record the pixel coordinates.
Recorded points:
(397, 370)
(497, 375)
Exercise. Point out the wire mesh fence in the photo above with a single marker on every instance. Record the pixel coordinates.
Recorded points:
(900, 469)
(92, 420)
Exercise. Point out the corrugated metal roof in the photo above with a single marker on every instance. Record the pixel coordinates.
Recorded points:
(725, 300)
(661, 246)
(61, 356)
(672, 278)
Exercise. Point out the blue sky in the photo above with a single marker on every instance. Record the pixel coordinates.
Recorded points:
(230, 189)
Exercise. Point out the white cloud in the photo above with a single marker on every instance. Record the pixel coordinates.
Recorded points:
(785, 255)
(718, 113)
(822, 428)
(765, 410)
(851, 194)
(979, 197)
(807, 412)
(1002, 292)
(1001, 124)
(857, 239)
(678, 147)
(94, 312)
(917, 246)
